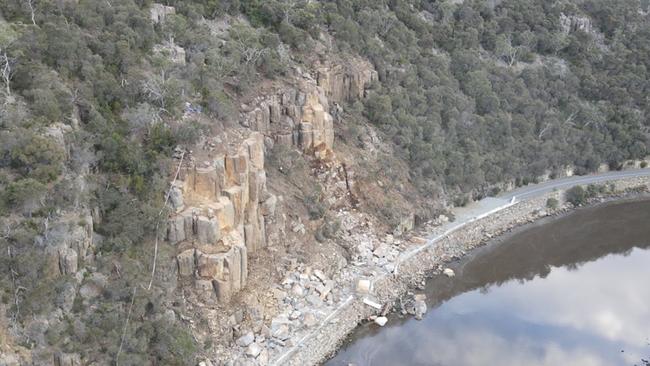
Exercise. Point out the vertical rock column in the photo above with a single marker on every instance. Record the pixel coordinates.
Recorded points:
(221, 221)
(299, 116)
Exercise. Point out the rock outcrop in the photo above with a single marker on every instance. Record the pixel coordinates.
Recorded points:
(302, 115)
(346, 83)
(158, 12)
(574, 23)
(219, 219)
(69, 243)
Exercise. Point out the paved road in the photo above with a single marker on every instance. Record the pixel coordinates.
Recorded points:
(536, 190)
(486, 205)
(465, 215)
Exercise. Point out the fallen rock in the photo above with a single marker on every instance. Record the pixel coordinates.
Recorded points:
(320, 275)
(364, 286)
(309, 320)
(314, 300)
(67, 359)
(263, 358)
(297, 290)
(420, 309)
(253, 350)
(324, 290)
(381, 321)
(449, 272)
(371, 303)
(279, 294)
(298, 227)
(281, 332)
(246, 339)
(280, 327)
(266, 331)
(382, 251)
(237, 317)
(418, 240)
(65, 298)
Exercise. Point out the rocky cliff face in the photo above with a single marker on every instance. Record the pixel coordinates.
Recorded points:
(574, 23)
(346, 83)
(221, 209)
(301, 115)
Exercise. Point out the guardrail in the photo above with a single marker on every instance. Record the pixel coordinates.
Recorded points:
(435, 239)
(285, 357)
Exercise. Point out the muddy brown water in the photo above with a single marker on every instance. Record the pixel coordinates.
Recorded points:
(572, 290)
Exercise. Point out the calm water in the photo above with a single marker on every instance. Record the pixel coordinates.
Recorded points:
(571, 291)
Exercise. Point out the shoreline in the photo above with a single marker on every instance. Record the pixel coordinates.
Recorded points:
(442, 248)
(558, 215)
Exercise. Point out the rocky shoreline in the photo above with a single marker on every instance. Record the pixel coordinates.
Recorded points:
(386, 289)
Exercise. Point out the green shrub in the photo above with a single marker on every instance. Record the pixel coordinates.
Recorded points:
(576, 195)
(37, 157)
(25, 194)
(189, 132)
(644, 164)
(461, 201)
(552, 203)
(594, 190)
(494, 191)
(161, 139)
(315, 206)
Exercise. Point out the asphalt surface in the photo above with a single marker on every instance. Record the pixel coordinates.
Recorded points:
(536, 190)
(475, 211)
(489, 205)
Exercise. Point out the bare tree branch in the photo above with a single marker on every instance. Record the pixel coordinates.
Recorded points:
(6, 69)
(250, 53)
(569, 120)
(126, 325)
(155, 252)
(30, 3)
(544, 130)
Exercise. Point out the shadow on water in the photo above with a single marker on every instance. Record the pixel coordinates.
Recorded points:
(480, 297)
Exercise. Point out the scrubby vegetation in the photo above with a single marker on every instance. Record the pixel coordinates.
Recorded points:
(485, 91)
(470, 94)
(552, 203)
(578, 195)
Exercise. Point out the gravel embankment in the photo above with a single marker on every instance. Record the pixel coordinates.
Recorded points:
(327, 337)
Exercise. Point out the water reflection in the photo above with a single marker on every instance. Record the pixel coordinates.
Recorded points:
(568, 292)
